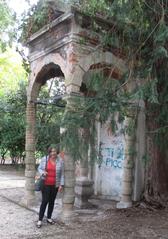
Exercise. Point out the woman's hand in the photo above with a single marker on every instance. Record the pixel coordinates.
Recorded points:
(45, 173)
(60, 189)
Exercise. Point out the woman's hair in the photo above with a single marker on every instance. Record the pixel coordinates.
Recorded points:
(54, 147)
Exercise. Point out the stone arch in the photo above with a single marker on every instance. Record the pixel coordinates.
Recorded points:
(102, 57)
(44, 69)
(93, 60)
(47, 72)
(114, 67)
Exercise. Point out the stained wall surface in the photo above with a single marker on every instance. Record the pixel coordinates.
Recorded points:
(108, 173)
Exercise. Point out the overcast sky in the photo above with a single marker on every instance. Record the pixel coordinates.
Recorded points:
(19, 6)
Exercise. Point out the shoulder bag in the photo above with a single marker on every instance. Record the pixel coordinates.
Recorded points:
(39, 181)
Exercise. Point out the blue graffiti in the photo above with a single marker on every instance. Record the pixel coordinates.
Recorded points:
(113, 163)
(110, 152)
(113, 157)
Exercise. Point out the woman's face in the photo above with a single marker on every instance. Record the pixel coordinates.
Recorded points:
(53, 153)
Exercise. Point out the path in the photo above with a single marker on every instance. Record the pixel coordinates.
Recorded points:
(102, 222)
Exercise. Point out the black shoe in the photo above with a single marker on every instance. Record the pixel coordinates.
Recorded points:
(50, 221)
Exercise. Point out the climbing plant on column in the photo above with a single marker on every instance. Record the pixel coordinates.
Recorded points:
(140, 30)
(139, 34)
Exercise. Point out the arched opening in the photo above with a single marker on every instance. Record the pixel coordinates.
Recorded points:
(42, 129)
(106, 70)
(47, 72)
(110, 144)
(49, 105)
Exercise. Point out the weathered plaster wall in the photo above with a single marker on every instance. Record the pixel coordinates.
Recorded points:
(108, 175)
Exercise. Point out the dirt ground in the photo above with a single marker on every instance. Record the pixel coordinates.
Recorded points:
(101, 222)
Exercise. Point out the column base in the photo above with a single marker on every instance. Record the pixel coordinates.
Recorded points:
(27, 202)
(82, 203)
(67, 212)
(121, 205)
(28, 199)
(83, 191)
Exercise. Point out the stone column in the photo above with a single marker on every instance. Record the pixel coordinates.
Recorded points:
(126, 194)
(29, 197)
(83, 186)
(69, 172)
(69, 195)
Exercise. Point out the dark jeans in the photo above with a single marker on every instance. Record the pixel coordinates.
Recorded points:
(49, 194)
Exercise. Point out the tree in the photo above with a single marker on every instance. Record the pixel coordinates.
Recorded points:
(141, 32)
(11, 71)
(7, 19)
(13, 79)
(49, 118)
(13, 125)
(12, 104)
(140, 35)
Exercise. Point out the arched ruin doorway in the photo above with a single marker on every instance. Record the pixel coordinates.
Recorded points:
(46, 72)
(107, 177)
(70, 43)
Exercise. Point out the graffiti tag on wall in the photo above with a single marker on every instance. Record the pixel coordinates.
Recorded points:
(113, 156)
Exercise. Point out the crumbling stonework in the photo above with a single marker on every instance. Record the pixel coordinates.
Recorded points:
(69, 48)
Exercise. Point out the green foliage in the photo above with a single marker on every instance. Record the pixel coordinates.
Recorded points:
(11, 71)
(12, 104)
(94, 7)
(79, 123)
(7, 19)
(79, 118)
(34, 19)
(13, 123)
(38, 16)
(12, 130)
(142, 33)
(48, 118)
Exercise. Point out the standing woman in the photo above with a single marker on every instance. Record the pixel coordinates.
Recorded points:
(52, 167)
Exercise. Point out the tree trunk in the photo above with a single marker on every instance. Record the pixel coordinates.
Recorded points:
(156, 178)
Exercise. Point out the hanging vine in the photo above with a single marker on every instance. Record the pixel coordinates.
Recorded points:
(140, 35)
(82, 113)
